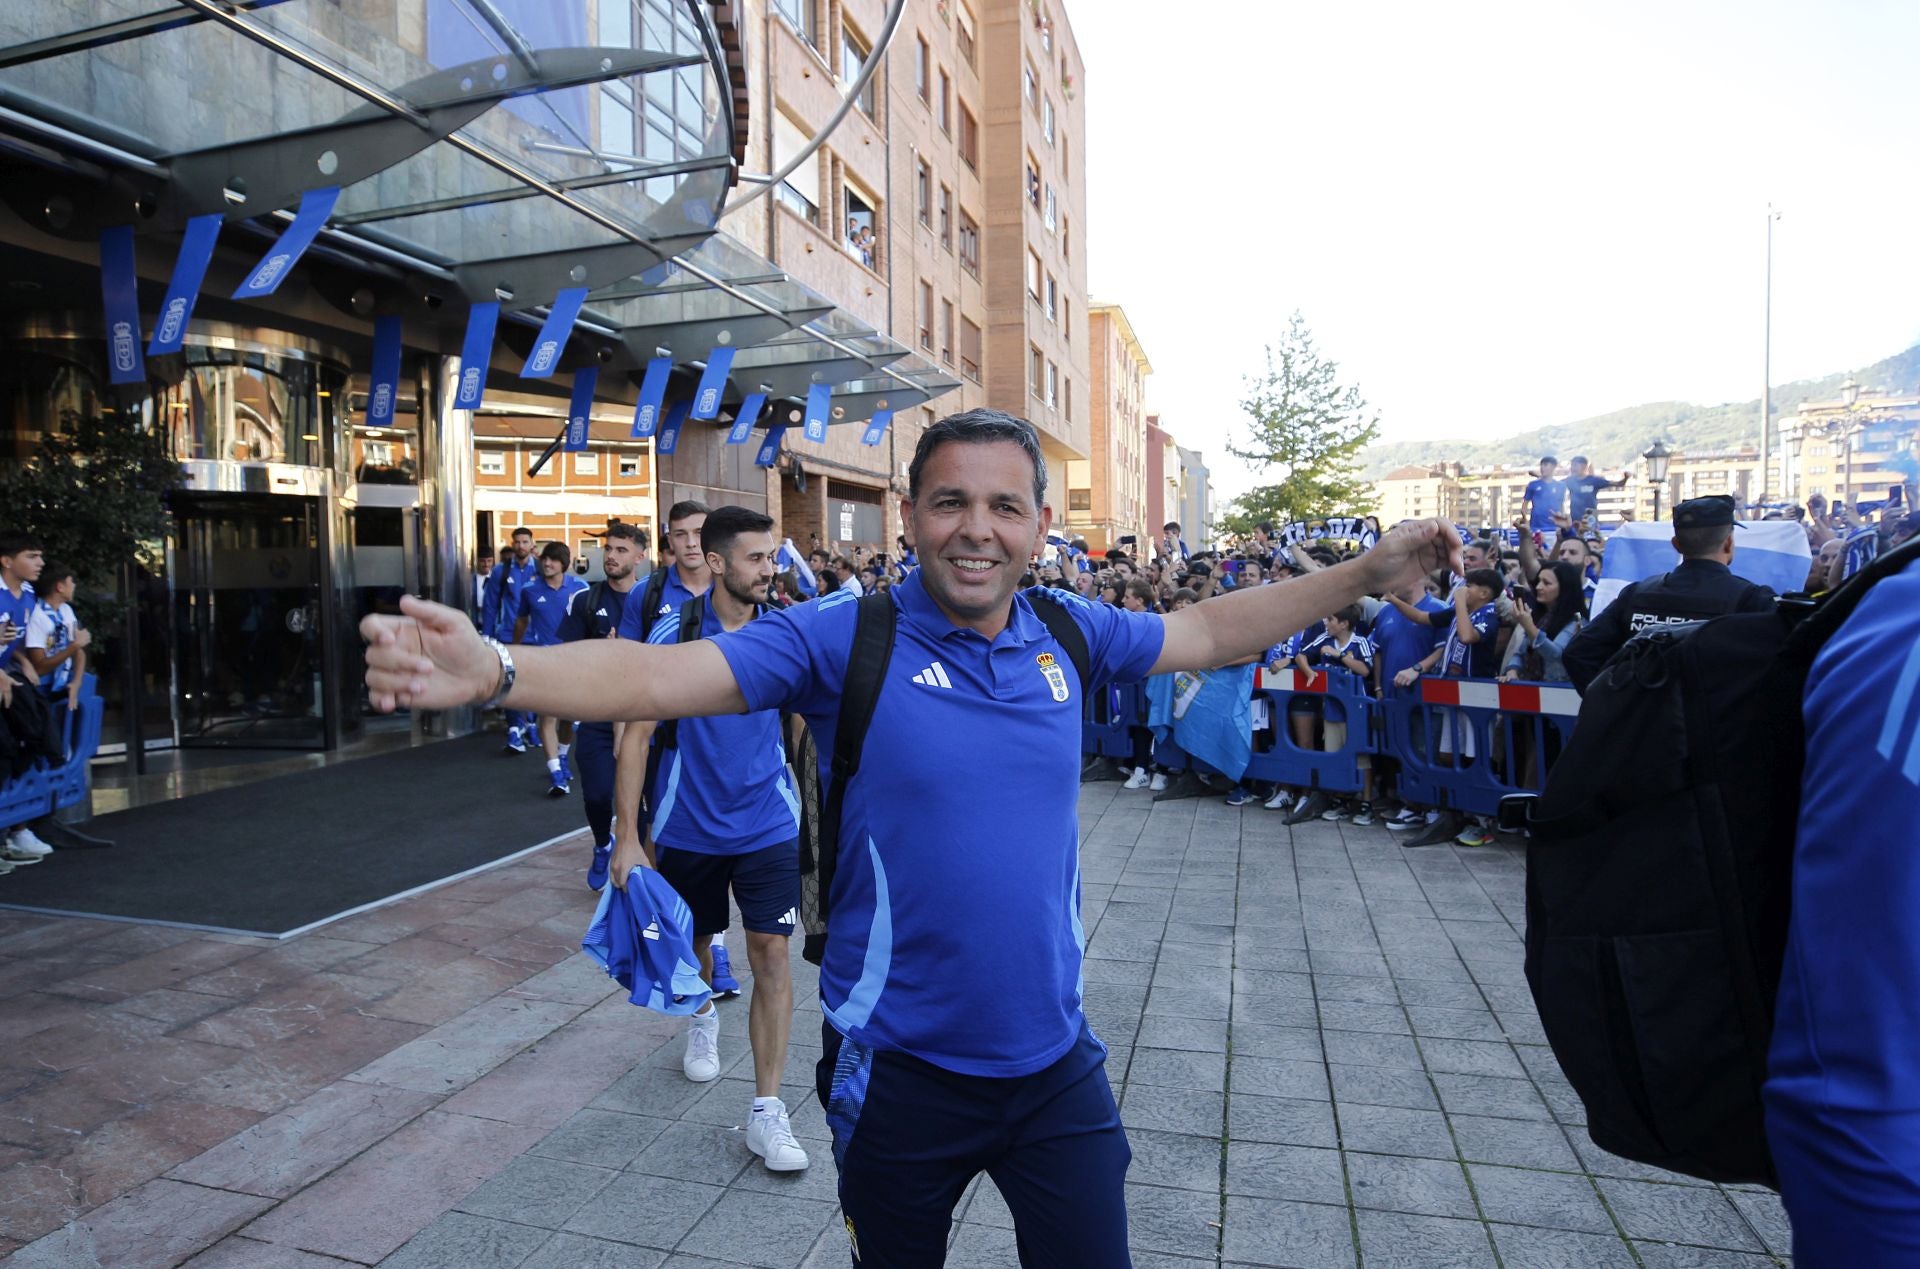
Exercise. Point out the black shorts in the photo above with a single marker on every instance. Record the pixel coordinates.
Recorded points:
(766, 885)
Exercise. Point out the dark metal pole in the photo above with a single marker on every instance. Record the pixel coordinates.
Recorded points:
(134, 706)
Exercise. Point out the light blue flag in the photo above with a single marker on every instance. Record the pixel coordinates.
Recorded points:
(1218, 725)
(1771, 552)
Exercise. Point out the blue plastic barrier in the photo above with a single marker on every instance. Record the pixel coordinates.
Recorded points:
(1333, 770)
(1463, 744)
(1109, 714)
(47, 787)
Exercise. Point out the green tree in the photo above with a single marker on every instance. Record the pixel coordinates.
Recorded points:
(95, 496)
(1306, 429)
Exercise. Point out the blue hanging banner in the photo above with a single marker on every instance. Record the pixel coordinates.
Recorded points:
(877, 427)
(580, 409)
(383, 380)
(670, 428)
(265, 278)
(819, 409)
(748, 416)
(770, 448)
(120, 296)
(552, 340)
(476, 351)
(189, 270)
(713, 384)
(653, 392)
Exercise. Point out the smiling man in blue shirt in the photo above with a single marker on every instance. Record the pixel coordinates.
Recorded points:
(955, 1040)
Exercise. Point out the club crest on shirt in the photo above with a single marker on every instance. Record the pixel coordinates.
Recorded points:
(1056, 677)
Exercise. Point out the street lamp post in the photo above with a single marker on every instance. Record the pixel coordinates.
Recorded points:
(1766, 370)
(1850, 397)
(1657, 457)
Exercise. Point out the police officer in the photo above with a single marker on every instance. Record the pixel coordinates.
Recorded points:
(1703, 586)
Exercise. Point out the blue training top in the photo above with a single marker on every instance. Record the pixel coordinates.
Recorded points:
(544, 606)
(500, 606)
(723, 788)
(638, 625)
(956, 932)
(1848, 1025)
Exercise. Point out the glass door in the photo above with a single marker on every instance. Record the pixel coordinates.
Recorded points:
(248, 621)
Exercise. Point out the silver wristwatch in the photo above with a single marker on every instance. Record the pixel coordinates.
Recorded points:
(507, 672)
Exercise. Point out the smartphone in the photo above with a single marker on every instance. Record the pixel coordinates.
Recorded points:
(1127, 539)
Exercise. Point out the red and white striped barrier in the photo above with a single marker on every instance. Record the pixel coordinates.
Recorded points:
(1511, 698)
(1290, 680)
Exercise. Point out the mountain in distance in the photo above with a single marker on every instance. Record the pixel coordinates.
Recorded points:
(1614, 440)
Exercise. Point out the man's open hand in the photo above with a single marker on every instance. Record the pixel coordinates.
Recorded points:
(1411, 550)
(429, 657)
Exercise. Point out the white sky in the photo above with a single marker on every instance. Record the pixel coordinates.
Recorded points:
(1496, 216)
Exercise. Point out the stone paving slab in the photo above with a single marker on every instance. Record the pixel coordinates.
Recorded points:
(1322, 1043)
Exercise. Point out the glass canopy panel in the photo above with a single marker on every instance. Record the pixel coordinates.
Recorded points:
(25, 23)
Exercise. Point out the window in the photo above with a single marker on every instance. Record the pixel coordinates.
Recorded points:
(946, 331)
(853, 55)
(1053, 383)
(1028, 88)
(921, 83)
(970, 349)
(1053, 299)
(380, 453)
(1079, 499)
(1067, 405)
(1046, 118)
(1033, 181)
(586, 464)
(492, 463)
(1066, 163)
(969, 138)
(800, 192)
(629, 466)
(926, 314)
(1036, 370)
(963, 34)
(943, 108)
(923, 189)
(1066, 320)
(946, 218)
(1066, 239)
(1050, 213)
(802, 15)
(969, 243)
(1033, 273)
(862, 231)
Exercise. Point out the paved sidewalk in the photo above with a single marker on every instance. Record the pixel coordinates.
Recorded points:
(1323, 1045)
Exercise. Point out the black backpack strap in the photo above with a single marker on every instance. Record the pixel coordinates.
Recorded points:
(650, 597)
(1067, 633)
(867, 661)
(667, 734)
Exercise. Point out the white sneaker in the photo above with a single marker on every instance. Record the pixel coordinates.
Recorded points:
(1159, 782)
(1280, 801)
(770, 1135)
(1138, 780)
(702, 1059)
(23, 845)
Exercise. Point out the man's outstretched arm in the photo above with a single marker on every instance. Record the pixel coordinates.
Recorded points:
(1247, 622)
(431, 657)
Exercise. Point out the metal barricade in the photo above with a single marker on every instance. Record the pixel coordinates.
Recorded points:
(1282, 761)
(45, 787)
(1463, 744)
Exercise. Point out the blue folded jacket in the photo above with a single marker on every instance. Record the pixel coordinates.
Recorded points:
(643, 937)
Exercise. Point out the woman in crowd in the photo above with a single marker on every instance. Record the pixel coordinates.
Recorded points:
(1547, 620)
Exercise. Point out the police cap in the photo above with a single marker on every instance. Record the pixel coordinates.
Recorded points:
(1708, 512)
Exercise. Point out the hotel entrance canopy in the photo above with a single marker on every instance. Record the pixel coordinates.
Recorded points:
(483, 150)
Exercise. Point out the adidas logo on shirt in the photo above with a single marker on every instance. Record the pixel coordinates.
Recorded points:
(934, 675)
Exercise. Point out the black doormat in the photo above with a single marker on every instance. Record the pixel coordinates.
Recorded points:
(278, 855)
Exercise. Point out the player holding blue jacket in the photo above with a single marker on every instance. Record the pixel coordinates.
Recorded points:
(543, 605)
(955, 1039)
(725, 817)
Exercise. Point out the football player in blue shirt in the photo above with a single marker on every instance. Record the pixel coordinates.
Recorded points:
(1546, 498)
(687, 576)
(726, 817)
(543, 605)
(1843, 1088)
(594, 612)
(499, 607)
(955, 1042)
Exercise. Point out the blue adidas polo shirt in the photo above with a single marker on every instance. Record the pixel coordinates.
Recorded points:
(723, 788)
(956, 930)
(545, 607)
(504, 588)
(638, 625)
